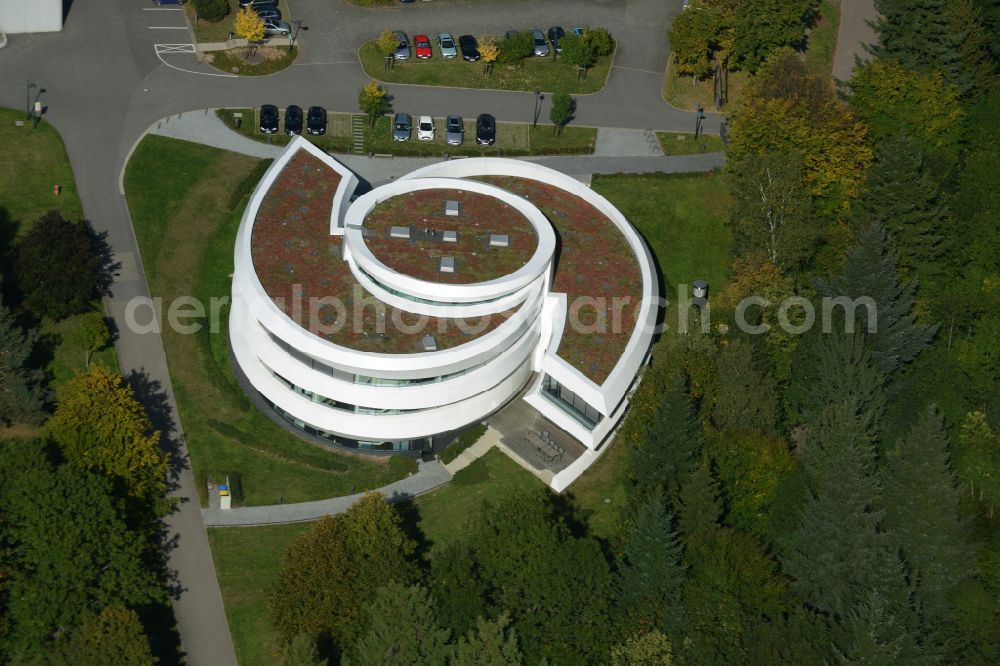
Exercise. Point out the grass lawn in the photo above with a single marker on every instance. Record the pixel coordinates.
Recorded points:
(218, 31)
(268, 60)
(685, 92)
(545, 74)
(247, 560)
(823, 38)
(680, 143)
(186, 227)
(683, 218)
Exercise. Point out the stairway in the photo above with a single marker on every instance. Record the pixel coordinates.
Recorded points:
(358, 132)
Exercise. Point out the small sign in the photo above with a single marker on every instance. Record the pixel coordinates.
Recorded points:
(38, 108)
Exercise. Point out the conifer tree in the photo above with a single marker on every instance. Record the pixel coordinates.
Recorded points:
(401, 629)
(907, 199)
(918, 33)
(745, 396)
(869, 271)
(650, 577)
(699, 505)
(22, 395)
(492, 643)
(672, 443)
(302, 651)
(922, 511)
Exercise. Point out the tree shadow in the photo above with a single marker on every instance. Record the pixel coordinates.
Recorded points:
(410, 513)
(151, 394)
(161, 629)
(104, 259)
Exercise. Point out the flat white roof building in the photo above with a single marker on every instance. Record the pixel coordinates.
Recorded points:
(430, 302)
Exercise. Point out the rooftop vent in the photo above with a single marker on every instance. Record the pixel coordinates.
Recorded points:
(449, 236)
(399, 232)
(429, 344)
(447, 264)
(499, 240)
(451, 208)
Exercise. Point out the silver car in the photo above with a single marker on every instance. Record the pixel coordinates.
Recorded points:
(541, 46)
(275, 27)
(403, 47)
(447, 45)
(454, 130)
(402, 125)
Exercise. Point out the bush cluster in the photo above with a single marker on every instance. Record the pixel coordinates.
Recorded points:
(211, 10)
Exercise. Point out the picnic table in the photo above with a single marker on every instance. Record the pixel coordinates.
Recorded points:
(547, 449)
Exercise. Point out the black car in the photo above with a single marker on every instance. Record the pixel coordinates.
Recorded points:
(555, 34)
(486, 129)
(469, 47)
(293, 120)
(316, 120)
(269, 119)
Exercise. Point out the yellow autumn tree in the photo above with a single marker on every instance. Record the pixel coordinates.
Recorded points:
(756, 277)
(249, 26)
(789, 108)
(100, 427)
(387, 42)
(488, 52)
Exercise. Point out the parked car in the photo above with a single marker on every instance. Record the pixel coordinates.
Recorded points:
(425, 128)
(454, 130)
(168, 2)
(541, 46)
(275, 27)
(579, 31)
(402, 124)
(316, 120)
(447, 45)
(268, 118)
(469, 47)
(293, 120)
(555, 34)
(269, 12)
(422, 46)
(486, 129)
(258, 3)
(402, 47)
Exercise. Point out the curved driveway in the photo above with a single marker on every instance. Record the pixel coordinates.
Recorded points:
(105, 84)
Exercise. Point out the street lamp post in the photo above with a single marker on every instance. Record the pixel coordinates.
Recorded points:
(37, 111)
(295, 36)
(27, 98)
(699, 116)
(538, 107)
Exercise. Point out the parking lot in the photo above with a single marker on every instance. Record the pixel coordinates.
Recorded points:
(337, 29)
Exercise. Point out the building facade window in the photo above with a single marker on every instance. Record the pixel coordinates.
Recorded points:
(570, 403)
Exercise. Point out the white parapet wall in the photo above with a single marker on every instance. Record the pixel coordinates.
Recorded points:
(17, 16)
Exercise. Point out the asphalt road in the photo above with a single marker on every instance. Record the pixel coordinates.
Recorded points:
(117, 67)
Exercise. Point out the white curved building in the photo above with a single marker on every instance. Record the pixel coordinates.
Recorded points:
(430, 302)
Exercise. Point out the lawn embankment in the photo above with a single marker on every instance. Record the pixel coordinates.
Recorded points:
(258, 61)
(219, 31)
(549, 75)
(681, 143)
(822, 43)
(186, 227)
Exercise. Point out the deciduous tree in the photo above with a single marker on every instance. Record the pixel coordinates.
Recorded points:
(113, 636)
(302, 651)
(211, 10)
(373, 100)
(563, 107)
(978, 460)
(516, 48)
(650, 648)
(89, 334)
(55, 267)
(761, 26)
(694, 37)
(100, 427)
(249, 26)
(387, 42)
(578, 51)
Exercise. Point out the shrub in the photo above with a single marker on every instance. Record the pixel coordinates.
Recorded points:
(601, 39)
(516, 49)
(211, 10)
(467, 438)
(578, 51)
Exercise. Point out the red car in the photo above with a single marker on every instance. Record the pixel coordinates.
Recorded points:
(422, 46)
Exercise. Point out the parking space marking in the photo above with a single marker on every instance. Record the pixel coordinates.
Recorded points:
(162, 9)
(160, 49)
(167, 27)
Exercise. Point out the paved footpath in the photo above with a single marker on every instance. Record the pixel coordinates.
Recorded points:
(855, 33)
(430, 475)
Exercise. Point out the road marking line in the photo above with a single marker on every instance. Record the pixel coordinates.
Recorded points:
(169, 49)
(162, 9)
(168, 27)
(635, 69)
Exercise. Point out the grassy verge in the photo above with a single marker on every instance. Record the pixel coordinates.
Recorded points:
(336, 140)
(546, 74)
(679, 143)
(34, 159)
(218, 31)
(469, 437)
(685, 92)
(271, 59)
(247, 560)
(186, 227)
(823, 38)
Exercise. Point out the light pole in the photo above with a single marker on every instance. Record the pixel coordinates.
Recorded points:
(699, 116)
(295, 36)
(539, 97)
(38, 108)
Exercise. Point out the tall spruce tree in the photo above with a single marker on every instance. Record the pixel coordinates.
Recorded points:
(745, 395)
(922, 512)
(699, 504)
(22, 395)
(902, 194)
(920, 35)
(650, 577)
(672, 443)
(869, 272)
(492, 643)
(401, 629)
